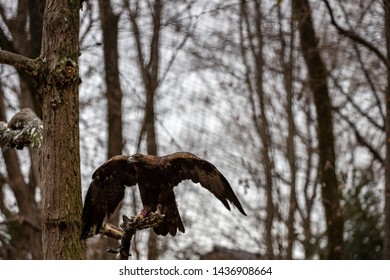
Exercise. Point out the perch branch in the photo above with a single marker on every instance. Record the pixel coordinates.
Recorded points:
(127, 229)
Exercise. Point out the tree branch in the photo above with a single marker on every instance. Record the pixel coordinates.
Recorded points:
(360, 139)
(127, 229)
(355, 37)
(20, 62)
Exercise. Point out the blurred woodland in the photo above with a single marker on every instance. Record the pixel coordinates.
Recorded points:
(288, 99)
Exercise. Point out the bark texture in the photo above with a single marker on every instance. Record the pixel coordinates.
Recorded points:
(60, 158)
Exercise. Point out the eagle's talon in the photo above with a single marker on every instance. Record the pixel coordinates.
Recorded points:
(141, 215)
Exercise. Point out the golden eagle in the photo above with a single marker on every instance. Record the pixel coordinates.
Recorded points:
(156, 176)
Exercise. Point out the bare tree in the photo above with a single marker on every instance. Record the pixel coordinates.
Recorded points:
(386, 250)
(254, 82)
(60, 158)
(56, 75)
(26, 30)
(287, 64)
(149, 71)
(297, 219)
(23, 226)
(109, 24)
(147, 21)
(327, 160)
(367, 50)
(257, 101)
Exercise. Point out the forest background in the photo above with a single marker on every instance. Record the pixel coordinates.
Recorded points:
(289, 99)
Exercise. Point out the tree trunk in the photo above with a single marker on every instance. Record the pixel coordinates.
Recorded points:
(60, 157)
(114, 93)
(25, 234)
(23, 227)
(258, 104)
(150, 76)
(150, 129)
(386, 248)
(287, 50)
(327, 168)
(109, 23)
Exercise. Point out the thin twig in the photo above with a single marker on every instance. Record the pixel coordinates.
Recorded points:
(355, 37)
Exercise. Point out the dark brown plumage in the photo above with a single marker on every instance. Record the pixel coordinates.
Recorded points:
(156, 178)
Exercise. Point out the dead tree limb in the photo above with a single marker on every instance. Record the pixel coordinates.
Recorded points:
(127, 229)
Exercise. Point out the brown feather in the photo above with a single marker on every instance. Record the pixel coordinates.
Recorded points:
(105, 192)
(187, 166)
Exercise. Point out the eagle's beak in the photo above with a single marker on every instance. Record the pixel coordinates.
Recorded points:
(132, 159)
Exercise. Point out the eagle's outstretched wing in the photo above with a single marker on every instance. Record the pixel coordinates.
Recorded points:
(105, 192)
(187, 166)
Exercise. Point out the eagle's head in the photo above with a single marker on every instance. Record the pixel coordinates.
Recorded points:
(136, 158)
(145, 160)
